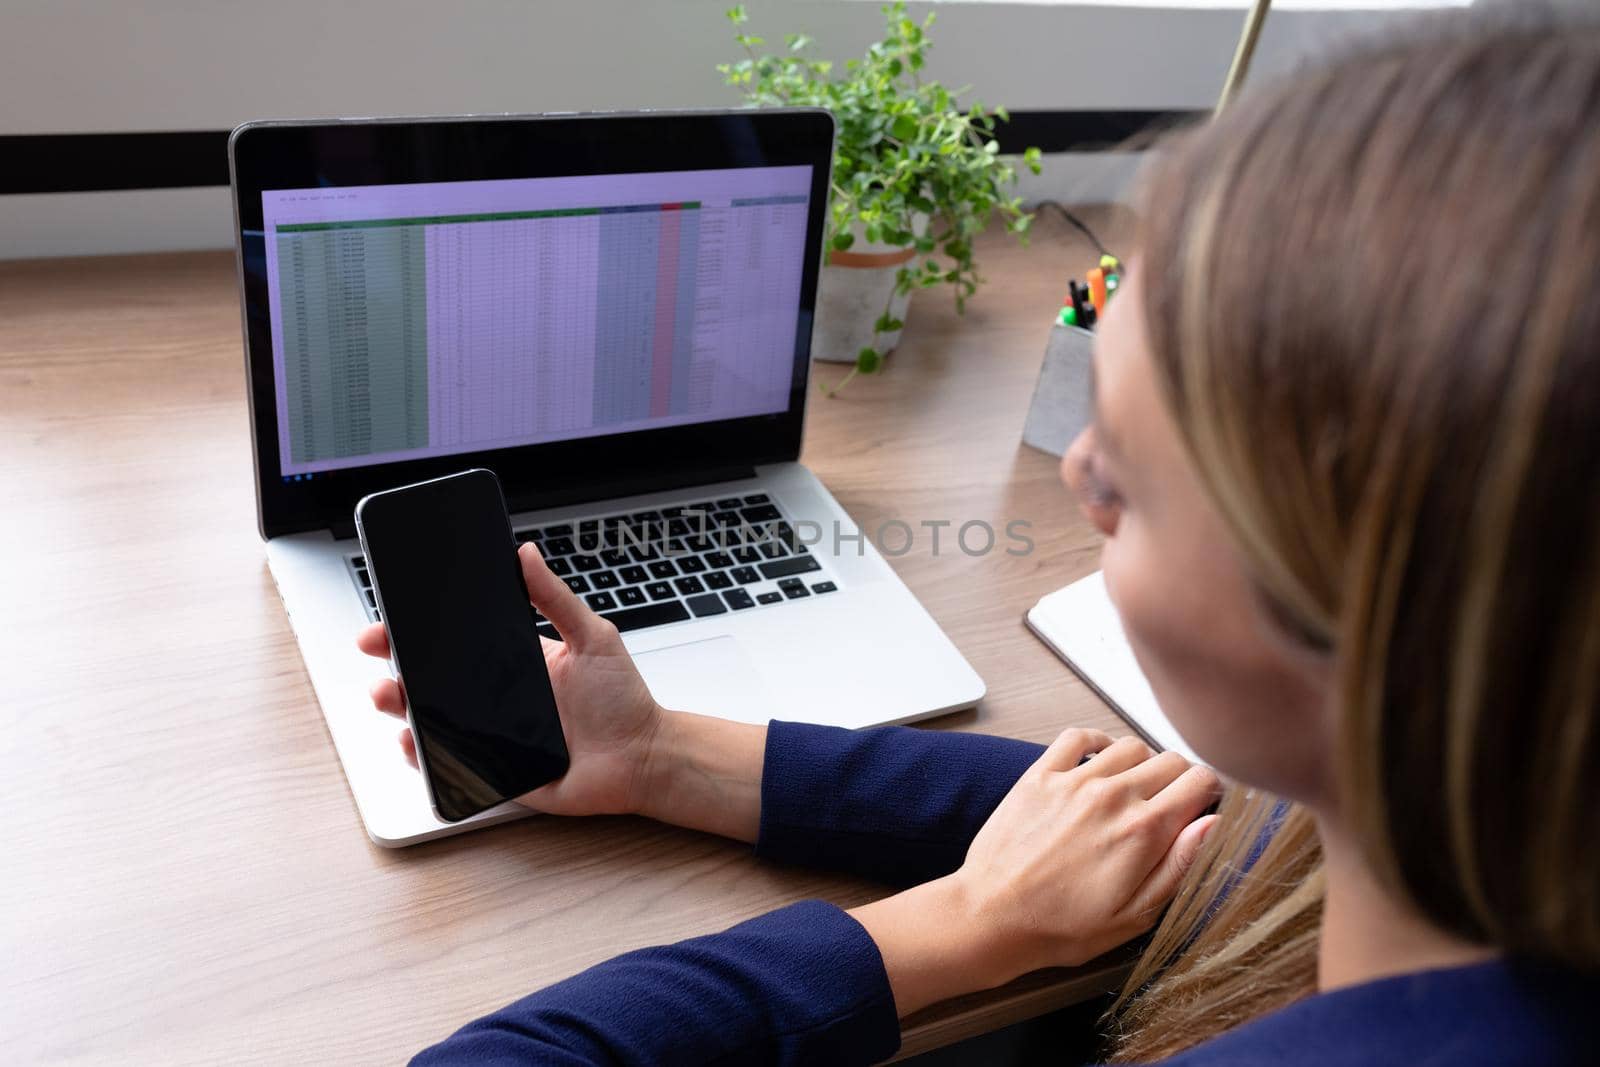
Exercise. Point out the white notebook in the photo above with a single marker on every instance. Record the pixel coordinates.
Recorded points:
(1082, 627)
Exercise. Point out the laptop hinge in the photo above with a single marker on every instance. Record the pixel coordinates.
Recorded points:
(654, 482)
(609, 490)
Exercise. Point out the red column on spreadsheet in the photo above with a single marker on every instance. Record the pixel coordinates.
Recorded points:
(666, 310)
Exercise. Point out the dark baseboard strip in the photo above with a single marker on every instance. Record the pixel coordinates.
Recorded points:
(105, 162)
(1088, 131)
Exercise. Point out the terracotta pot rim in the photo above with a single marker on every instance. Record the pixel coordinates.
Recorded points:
(871, 259)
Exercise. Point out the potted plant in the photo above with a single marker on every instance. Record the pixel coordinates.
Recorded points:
(916, 176)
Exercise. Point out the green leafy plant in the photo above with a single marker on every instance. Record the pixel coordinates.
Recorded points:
(906, 148)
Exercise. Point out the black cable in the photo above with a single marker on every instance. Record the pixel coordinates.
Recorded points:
(1079, 223)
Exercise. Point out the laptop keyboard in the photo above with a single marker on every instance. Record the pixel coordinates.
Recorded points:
(671, 564)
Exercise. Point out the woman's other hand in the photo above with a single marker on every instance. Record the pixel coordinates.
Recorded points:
(1083, 854)
(1078, 858)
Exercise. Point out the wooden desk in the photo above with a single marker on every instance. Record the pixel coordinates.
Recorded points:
(185, 876)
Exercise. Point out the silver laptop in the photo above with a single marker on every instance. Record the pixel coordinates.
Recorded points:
(614, 314)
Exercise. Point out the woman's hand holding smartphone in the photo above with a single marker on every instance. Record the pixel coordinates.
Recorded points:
(628, 754)
(608, 716)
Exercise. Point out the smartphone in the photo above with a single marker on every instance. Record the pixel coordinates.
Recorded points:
(444, 566)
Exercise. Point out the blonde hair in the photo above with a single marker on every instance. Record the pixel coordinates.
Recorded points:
(1373, 302)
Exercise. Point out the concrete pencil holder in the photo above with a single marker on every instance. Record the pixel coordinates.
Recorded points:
(1061, 405)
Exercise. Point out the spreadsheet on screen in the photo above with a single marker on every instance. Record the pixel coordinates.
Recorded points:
(434, 318)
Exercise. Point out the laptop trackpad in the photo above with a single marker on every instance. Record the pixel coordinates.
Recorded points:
(709, 677)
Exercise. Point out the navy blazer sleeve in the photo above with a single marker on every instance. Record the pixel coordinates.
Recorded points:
(895, 804)
(804, 984)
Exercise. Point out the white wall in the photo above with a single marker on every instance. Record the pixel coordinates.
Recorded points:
(90, 66)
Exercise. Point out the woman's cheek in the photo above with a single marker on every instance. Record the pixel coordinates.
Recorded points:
(1182, 634)
(1119, 570)
(1149, 603)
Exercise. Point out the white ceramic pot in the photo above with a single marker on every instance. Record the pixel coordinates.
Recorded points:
(853, 291)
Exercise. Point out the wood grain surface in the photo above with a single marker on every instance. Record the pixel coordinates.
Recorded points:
(186, 879)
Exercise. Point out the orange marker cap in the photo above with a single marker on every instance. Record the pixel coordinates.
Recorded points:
(1097, 289)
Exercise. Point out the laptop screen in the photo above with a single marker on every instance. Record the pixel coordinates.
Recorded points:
(591, 306)
(432, 319)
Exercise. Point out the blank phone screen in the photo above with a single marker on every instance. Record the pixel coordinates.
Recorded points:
(462, 634)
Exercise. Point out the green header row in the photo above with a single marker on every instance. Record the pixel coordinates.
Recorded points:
(498, 216)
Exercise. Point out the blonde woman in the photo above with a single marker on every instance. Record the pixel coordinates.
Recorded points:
(1346, 458)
